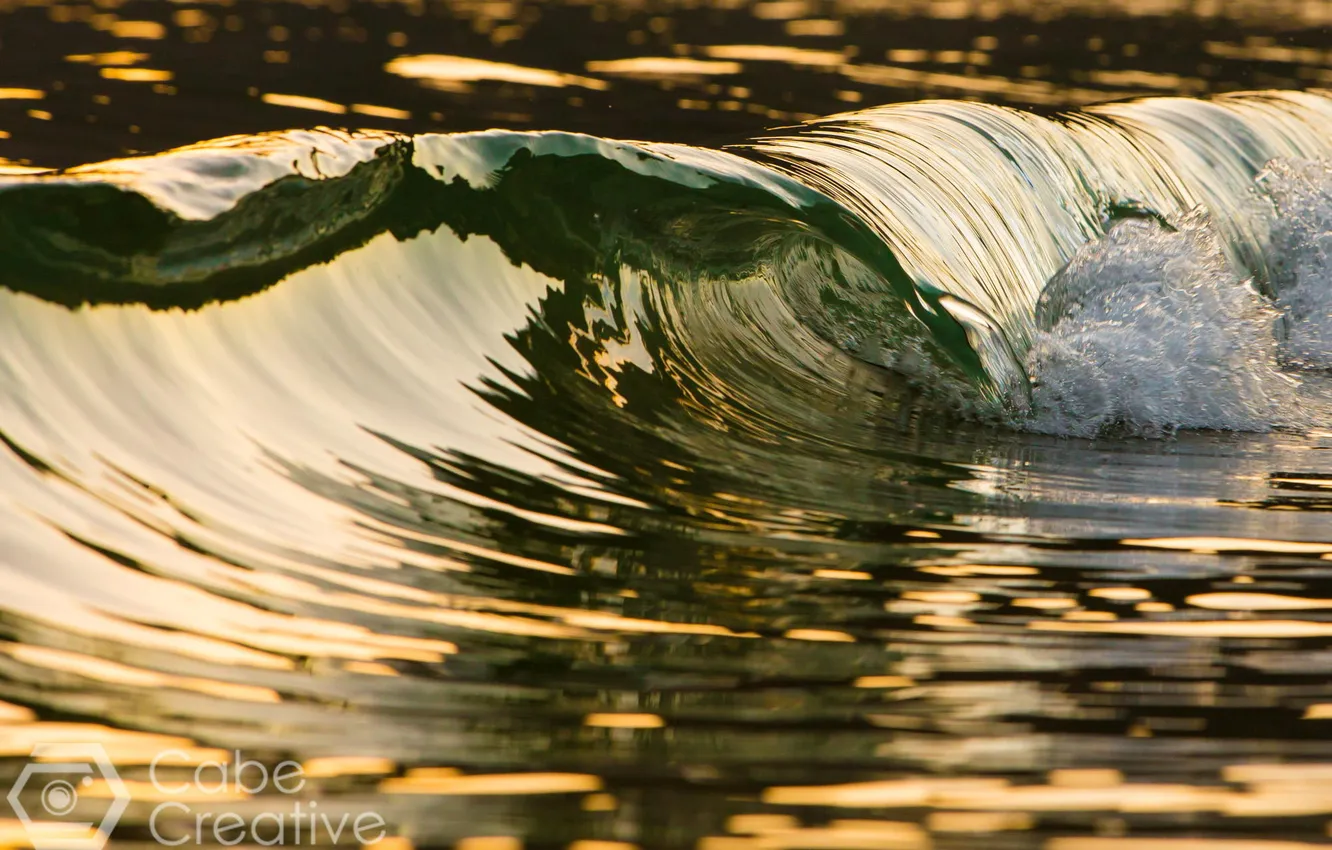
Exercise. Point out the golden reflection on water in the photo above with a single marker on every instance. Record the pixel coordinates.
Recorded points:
(1231, 544)
(330, 766)
(124, 747)
(767, 62)
(103, 670)
(664, 67)
(448, 72)
(136, 75)
(15, 833)
(112, 58)
(296, 101)
(624, 721)
(1269, 791)
(1107, 843)
(15, 713)
(538, 647)
(837, 835)
(591, 844)
(493, 784)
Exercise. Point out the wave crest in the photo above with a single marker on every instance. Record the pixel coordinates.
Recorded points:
(919, 238)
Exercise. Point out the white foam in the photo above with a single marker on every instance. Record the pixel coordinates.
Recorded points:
(1152, 330)
(1300, 257)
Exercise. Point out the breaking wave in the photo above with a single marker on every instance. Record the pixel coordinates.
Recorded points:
(1145, 266)
(429, 448)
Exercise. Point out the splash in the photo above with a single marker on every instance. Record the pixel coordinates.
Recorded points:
(1150, 329)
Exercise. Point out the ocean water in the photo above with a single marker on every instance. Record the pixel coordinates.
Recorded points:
(387, 440)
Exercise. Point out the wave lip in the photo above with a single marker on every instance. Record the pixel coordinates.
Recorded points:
(209, 222)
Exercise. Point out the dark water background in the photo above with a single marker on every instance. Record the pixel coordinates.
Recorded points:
(217, 60)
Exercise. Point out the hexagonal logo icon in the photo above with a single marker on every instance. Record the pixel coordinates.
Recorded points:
(52, 781)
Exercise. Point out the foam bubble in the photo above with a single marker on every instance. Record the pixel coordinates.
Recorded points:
(1301, 257)
(1150, 329)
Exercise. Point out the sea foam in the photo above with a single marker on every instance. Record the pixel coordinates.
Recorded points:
(1151, 329)
(1301, 258)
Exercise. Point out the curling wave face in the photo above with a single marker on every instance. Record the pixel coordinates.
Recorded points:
(939, 240)
(292, 421)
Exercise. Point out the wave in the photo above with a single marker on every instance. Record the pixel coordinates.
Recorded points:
(291, 419)
(263, 346)
(941, 240)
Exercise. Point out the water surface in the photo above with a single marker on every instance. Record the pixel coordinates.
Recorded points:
(935, 476)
